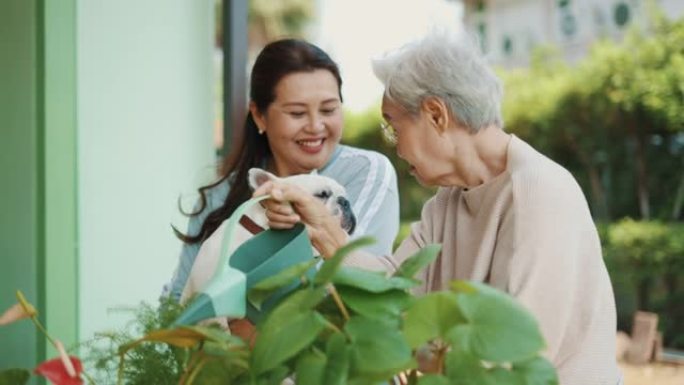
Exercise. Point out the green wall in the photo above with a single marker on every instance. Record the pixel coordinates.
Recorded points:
(20, 240)
(37, 166)
(105, 120)
(145, 124)
(59, 128)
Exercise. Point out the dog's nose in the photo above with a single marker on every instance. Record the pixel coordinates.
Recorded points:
(343, 202)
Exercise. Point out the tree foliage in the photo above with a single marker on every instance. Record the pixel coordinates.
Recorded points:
(646, 262)
(616, 119)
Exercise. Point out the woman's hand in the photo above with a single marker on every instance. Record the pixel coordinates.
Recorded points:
(289, 205)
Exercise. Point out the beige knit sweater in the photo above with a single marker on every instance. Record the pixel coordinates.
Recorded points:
(527, 232)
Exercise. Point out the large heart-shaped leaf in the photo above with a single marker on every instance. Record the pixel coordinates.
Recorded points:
(278, 342)
(497, 328)
(374, 282)
(330, 266)
(14, 377)
(265, 288)
(418, 261)
(430, 317)
(386, 307)
(466, 369)
(378, 352)
(537, 371)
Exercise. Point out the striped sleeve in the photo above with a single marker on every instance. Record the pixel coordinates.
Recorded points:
(371, 184)
(185, 261)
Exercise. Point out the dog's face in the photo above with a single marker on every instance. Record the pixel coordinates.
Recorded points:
(331, 193)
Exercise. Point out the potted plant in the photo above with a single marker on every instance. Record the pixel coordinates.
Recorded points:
(347, 326)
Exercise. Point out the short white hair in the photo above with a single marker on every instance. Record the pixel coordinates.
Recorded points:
(447, 65)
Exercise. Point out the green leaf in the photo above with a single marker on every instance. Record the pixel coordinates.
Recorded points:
(182, 337)
(375, 282)
(228, 354)
(337, 367)
(215, 334)
(386, 307)
(464, 368)
(431, 316)
(298, 302)
(377, 351)
(537, 371)
(418, 261)
(276, 376)
(433, 379)
(14, 376)
(278, 342)
(330, 266)
(266, 287)
(310, 369)
(497, 328)
(215, 371)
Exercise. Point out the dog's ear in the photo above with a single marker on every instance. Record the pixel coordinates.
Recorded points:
(257, 177)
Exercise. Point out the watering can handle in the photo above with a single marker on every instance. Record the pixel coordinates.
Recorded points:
(229, 232)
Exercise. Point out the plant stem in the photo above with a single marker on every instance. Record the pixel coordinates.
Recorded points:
(441, 353)
(90, 379)
(42, 329)
(338, 301)
(203, 361)
(119, 373)
(189, 367)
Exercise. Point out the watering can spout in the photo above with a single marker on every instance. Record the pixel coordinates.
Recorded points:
(200, 308)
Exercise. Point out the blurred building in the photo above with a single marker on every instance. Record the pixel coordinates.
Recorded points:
(509, 30)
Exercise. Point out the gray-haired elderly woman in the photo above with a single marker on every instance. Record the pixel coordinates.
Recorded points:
(505, 214)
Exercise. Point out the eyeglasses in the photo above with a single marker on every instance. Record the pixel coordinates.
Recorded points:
(389, 133)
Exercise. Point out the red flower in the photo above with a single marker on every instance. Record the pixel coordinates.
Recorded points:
(55, 371)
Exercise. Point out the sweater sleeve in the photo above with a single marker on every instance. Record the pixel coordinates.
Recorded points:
(421, 235)
(418, 238)
(556, 268)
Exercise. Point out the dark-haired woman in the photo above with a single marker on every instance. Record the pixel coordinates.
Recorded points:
(294, 126)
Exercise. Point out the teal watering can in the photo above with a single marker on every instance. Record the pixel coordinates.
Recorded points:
(262, 256)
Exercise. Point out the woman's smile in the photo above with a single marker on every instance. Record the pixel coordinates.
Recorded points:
(311, 146)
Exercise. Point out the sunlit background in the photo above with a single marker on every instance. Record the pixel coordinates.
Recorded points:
(111, 113)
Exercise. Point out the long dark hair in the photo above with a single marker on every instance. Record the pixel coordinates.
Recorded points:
(276, 60)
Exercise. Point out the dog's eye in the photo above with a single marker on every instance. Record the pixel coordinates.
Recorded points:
(324, 195)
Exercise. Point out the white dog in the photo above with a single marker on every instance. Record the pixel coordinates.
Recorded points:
(255, 221)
